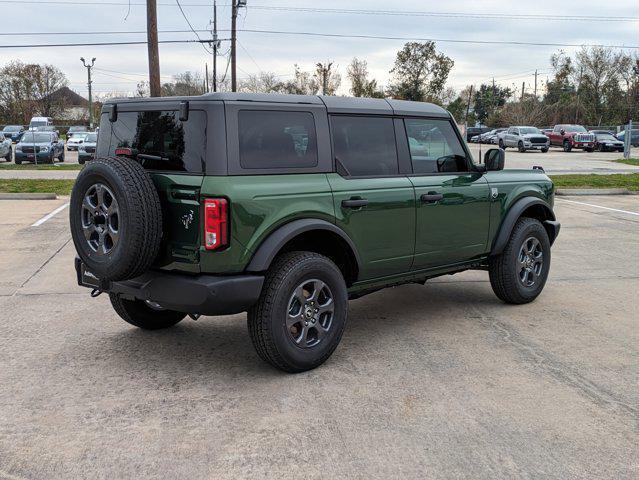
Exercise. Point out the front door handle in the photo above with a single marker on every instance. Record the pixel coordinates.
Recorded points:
(431, 197)
(354, 203)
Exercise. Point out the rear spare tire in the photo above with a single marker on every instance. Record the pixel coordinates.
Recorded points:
(116, 218)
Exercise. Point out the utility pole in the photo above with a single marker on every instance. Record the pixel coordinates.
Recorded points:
(237, 4)
(153, 52)
(535, 83)
(523, 89)
(216, 45)
(470, 96)
(89, 83)
(206, 77)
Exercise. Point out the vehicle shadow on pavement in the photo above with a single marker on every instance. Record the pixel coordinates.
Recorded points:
(220, 346)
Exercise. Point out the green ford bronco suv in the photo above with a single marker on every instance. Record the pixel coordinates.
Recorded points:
(288, 206)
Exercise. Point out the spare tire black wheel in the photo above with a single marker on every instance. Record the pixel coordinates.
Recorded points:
(116, 218)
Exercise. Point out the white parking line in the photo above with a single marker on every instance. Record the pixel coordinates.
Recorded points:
(50, 215)
(599, 206)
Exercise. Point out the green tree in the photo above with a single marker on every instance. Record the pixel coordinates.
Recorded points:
(488, 100)
(420, 72)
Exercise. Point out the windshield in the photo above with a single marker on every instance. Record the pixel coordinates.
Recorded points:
(574, 128)
(91, 138)
(77, 129)
(12, 129)
(525, 130)
(78, 136)
(37, 123)
(605, 136)
(39, 138)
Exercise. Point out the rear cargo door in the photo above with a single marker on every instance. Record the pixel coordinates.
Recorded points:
(173, 151)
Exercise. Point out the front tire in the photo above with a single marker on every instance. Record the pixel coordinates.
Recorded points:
(567, 146)
(299, 319)
(519, 273)
(520, 147)
(502, 145)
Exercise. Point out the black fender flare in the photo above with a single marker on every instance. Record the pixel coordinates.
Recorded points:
(516, 210)
(270, 247)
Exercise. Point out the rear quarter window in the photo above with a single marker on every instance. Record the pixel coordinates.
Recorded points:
(158, 140)
(277, 139)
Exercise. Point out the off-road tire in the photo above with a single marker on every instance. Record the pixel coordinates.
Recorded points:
(267, 319)
(503, 269)
(139, 314)
(139, 218)
(566, 146)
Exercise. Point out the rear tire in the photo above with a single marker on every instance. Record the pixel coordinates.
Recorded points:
(141, 315)
(519, 273)
(299, 319)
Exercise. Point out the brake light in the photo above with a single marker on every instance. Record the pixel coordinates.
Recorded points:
(215, 223)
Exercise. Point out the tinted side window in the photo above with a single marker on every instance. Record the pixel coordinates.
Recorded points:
(270, 139)
(365, 146)
(157, 140)
(434, 146)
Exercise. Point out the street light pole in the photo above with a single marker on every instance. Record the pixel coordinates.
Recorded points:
(89, 83)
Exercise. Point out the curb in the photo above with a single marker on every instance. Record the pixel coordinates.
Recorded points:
(28, 196)
(593, 191)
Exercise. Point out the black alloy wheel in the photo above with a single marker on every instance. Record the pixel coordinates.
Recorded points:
(100, 219)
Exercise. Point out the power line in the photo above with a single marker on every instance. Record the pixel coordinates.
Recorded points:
(319, 34)
(344, 11)
(191, 27)
(96, 44)
(441, 40)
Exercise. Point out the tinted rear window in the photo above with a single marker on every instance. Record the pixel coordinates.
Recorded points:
(365, 146)
(270, 139)
(158, 140)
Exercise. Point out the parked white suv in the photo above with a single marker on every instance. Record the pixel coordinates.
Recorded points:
(524, 138)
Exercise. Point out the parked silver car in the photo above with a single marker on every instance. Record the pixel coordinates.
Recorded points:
(524, 138)
(5, 148)
(86, 151)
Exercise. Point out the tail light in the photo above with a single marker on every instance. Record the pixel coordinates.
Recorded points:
(215, 223)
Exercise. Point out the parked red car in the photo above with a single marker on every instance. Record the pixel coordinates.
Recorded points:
(572, 136)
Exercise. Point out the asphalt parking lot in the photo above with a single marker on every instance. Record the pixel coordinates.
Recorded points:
(435, 381)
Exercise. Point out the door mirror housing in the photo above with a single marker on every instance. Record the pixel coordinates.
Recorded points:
(562, 132)
(494, 159)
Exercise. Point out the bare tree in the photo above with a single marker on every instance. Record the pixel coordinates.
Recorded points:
(263, 82)
(327, 79)
(27, 90)
(361, 86)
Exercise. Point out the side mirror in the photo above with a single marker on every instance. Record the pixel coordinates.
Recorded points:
(562, 132)
(494, 159)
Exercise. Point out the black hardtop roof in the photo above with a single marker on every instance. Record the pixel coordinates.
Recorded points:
(333, 104)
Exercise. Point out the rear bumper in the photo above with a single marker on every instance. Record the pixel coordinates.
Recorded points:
(200, 294)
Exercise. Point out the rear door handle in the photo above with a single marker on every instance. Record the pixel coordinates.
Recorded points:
(354, 203)
(431, 197)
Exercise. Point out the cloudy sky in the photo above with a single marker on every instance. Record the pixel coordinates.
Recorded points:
(121, 67)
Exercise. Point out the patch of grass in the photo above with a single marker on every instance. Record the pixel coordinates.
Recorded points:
(59, 187)
(631, 181)
(630, 161)
(31, 166)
